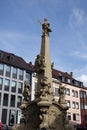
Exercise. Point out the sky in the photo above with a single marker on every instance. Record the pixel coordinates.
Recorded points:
(20, 32)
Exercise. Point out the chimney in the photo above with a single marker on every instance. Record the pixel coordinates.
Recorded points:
(30, 63)
(71, 73)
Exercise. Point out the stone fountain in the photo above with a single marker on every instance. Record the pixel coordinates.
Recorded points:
(44, 113)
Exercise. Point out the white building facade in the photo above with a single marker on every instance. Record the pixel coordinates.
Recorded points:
(13, 74)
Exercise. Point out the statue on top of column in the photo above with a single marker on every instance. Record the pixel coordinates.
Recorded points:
(46, 27)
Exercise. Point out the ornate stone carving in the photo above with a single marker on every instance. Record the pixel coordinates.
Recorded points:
(43, 113)
(61, 95)
(46, 27)
(39, 64)
(26, 92)
(55, 117)
(44, 118)
(26, 95)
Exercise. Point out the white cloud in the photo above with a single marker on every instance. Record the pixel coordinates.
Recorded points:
(78, 18)
(83, 78)
(80, 54)
(80, 74)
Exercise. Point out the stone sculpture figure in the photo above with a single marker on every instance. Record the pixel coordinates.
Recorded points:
(26, 95)
(61, 94)
(26, 92)
(46, 27)
(39, 63)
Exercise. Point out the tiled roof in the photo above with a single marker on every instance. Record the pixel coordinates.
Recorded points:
(11, 59)
(57, 74)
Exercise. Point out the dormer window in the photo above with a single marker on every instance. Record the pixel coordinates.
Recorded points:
(1, 55)
(63, 79)
(69, 80)
(11, 57)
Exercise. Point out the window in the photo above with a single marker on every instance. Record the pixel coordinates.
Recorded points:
(1, 55)
(12, 58)
(73, 105)
(81, 84)
(85, 118)
(76, 93)
(5, 100)
(4, 116)
(68, 80)
(27, 77)
(77, 105)
(20, 87)
(76, 83)
(67, 91)
(69, 115)
(86, 106)
(82, 105)
(21, 74)
(1, 80)
(7, 85)
(73, 93)
(8, 71)
(75, 117)
(56, 92)
(14, 74)
(82, 94)
(63, 79)
(19, 101)
(12, 116)
(1, 69)
(68, 103)
(12, 101)
(13, 86)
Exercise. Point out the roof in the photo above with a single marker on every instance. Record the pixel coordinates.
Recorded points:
(12, 59)
(57, 73)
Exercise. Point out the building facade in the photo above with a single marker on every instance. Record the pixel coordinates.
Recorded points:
(83, 104)
(73, 95)
(14, 71)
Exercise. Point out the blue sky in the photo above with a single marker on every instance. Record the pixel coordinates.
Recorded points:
(20, 32)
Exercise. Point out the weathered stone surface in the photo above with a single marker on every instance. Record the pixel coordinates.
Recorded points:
(44, 113)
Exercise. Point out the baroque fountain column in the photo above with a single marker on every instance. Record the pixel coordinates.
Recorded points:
(43, 66)
(43, 113)
(44, 92)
